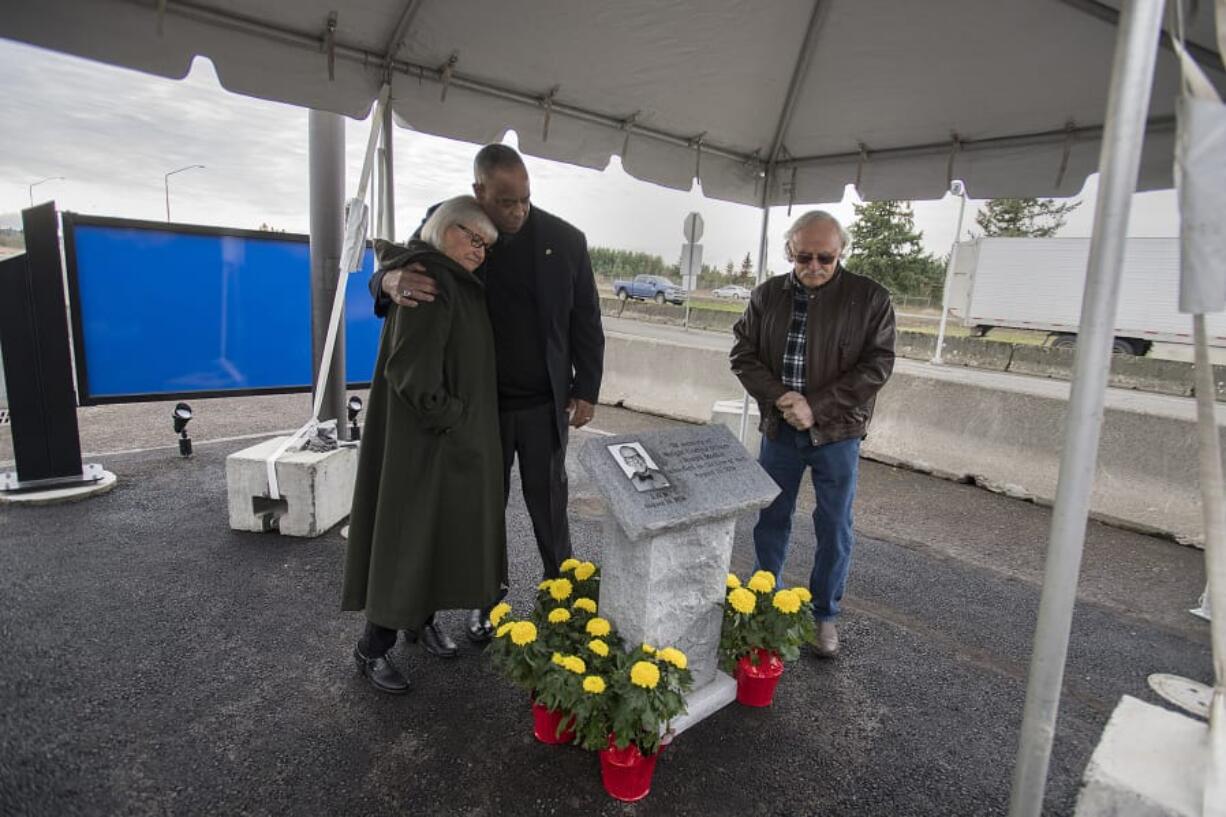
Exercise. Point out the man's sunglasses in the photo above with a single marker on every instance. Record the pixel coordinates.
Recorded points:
(806, 258)
(477, 241)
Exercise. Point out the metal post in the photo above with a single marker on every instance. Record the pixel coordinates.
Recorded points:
(758, 278)
(387, 178)
(166, 184)
(960, 188)
(327, 161)
(1123, 133)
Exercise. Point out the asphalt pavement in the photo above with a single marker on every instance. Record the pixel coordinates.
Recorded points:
(158, 663)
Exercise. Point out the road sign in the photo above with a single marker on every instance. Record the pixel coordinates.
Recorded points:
(692, 228)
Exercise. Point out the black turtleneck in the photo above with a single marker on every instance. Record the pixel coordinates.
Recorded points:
(510, 284)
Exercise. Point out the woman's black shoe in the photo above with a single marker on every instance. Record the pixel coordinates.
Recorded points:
(436, 642)
(381, 673)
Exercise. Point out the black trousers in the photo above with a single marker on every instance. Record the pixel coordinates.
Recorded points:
(532, 435)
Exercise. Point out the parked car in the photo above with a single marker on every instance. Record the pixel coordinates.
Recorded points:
(649, 288)
(731, 291)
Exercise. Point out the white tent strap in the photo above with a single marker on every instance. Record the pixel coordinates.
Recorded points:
(355, 241)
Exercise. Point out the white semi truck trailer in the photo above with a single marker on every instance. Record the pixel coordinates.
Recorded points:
(1037, 283)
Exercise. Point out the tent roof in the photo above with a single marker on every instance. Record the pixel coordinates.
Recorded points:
(896, 95)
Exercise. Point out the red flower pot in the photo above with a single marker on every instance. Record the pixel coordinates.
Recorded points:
(755, 684)
(626, 773)
(545, 723)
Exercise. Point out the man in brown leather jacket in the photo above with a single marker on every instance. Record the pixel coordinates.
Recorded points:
(813, 348)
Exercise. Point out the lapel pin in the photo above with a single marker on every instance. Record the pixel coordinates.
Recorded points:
(548, 251)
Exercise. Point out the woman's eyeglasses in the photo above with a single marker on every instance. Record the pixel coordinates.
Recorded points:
(806, 258)
(477, 241)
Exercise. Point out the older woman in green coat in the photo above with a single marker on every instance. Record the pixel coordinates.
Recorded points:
(426, 531)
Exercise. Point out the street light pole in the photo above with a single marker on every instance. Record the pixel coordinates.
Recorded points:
(166, 184)
(958, 189)
(40, 181)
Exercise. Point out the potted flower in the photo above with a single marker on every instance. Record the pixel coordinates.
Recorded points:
(763, 628)
(520, 652)
(626, 710)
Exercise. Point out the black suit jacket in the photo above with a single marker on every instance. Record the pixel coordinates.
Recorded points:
(567, 304)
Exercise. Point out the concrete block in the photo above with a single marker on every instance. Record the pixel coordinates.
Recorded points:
(1150, 762)
(663, 378)
(1042, 361)
(703, 702)
(977, 352)
(1151, 374)
(915, 345)
(316, 489)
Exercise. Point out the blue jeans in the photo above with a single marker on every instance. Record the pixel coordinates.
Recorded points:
(834, 468)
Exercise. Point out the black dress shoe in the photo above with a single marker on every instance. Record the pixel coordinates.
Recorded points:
(436, 642)
(381, 673)
(480, 630)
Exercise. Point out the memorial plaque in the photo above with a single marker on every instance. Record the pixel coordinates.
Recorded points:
(693, 475)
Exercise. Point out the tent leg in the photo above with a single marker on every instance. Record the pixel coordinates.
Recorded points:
(1123, 134)
(949, 275)
(327, 161)
(766, 219)
(387, 201)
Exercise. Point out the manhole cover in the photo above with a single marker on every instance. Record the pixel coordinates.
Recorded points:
(1188, 695)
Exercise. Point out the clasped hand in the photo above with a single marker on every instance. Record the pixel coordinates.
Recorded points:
(795, 409)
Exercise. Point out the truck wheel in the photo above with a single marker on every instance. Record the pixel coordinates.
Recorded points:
(660, 298)
(1126, 346)
(623, 294)
(1064, 342)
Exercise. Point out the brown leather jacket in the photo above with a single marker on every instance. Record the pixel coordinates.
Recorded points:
(849, 352)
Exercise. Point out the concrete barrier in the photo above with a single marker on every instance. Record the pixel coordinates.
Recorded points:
(1003, 431)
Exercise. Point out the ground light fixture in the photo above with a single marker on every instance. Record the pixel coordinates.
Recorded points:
(181, 415)
(354, 407)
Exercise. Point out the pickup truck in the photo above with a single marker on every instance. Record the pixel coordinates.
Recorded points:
(650, 288)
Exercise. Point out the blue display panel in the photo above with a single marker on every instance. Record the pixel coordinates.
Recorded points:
(171, 310)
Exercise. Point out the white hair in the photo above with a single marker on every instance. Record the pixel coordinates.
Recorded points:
(813, 217)
(460, 210)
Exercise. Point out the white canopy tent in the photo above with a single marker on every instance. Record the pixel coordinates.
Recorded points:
(767, 103)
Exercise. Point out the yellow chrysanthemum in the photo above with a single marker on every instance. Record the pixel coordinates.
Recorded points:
(545, 584)
(575, 664)
(673, 656)
(803, 594)
(523, 632)
(557, 658)
(593, 684)
(762, 582)
(599, 647)
(584, 571)
(500, 611)
(568, 565)
(599, 627)
(559, 615)
(560, 589)
(742, 600)
(584, 603)
(504, 628)
(647, 648)
(732, 582)
(645, 674)
(786, 601)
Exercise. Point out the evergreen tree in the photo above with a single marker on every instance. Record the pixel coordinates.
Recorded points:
(885, 246)
(1024, 218)
(730, 269)
(747, 268)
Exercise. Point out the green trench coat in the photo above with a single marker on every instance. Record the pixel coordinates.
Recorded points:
(426, 531)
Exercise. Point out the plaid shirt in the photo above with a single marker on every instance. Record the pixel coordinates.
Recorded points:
(794, 352)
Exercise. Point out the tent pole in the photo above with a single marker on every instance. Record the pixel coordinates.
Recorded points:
(1131, 80)
(759, 278)
(387, 201)
(949, 274)
(327, 162)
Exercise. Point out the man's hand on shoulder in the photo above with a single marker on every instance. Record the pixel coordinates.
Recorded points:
(409, 286)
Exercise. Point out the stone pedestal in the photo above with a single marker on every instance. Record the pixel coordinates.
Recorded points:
(668, 547)
(316, 489)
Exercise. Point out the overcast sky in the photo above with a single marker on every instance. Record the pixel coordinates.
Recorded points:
(113, 133)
